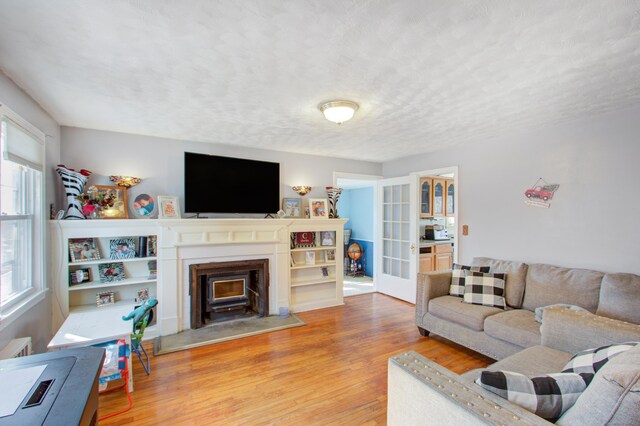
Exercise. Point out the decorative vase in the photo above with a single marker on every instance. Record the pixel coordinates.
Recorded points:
(73, 183)
(333, 194)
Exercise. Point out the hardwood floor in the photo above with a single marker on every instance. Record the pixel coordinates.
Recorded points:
(332, 371)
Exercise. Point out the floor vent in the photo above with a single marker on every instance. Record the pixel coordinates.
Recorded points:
(17, 348)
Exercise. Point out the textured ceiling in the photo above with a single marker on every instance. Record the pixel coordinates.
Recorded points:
(427, 74)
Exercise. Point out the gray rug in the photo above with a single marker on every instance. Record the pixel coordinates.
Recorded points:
(228, 330)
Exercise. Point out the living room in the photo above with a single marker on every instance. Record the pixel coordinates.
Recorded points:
(506, 93)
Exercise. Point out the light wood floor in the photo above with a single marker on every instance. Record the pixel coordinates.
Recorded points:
(332, 371)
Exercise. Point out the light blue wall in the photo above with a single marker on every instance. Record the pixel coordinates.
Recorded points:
(357, 205)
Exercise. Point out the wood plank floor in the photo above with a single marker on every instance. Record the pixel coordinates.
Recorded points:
(332, 371)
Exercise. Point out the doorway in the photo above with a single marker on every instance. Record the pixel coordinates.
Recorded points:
(357, 203)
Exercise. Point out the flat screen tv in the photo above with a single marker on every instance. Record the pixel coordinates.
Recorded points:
(214, 184)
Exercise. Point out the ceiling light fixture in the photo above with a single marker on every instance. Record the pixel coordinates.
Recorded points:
(338, 111)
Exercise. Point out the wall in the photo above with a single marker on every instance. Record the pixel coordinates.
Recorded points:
(593, 219)
(159, 162)
(37, 321)
(357, 205)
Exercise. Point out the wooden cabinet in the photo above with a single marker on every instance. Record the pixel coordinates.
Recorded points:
(437, 197)
(426, 195)
(427, 262)
(438, 257)
(450, 199)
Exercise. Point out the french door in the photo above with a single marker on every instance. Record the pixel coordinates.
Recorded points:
(397, 237)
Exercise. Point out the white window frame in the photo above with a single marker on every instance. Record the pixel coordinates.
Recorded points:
(36, 293)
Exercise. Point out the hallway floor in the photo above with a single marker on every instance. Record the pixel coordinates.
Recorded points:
(357, 285)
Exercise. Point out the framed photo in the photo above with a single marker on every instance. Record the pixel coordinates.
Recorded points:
(328, 238)
(144, 206)
(111, 272)
(169, 207)
(303, 239)
(83, 249)
(152, 265)
(330, 255)
(105, 298)
(152, 245)
(292, 207)
(318, 208)
(122, 248)
(310, 258)
(142, 295)
(79, 276)
(325, 271)
(119, 209)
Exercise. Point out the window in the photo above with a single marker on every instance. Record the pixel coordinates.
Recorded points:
(21, 212)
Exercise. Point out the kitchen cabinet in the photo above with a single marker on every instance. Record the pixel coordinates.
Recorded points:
(439, 194)
(443, 257)
(450, 190)
(427, 262)
(426, 194)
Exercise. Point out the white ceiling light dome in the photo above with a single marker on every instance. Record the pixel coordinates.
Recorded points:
(339, 111)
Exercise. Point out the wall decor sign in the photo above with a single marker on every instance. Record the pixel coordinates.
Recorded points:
(303, 239)
(540, 194)
(122, 248)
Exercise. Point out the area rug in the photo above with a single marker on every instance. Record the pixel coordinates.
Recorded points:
(222, 332)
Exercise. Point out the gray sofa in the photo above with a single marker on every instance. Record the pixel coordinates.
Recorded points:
(499, 333)
(422, 392)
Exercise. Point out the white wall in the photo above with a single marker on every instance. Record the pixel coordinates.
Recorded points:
(593, 221)
(37, 321)
(160, 162)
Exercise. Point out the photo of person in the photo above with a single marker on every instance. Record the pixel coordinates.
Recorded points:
(292, 207)
(328, 238)
(83, 249)
(169, 207)
(80, 276)
(144, 205)
(105, 298)
(110, 272)
(122, 249)
(318, 208)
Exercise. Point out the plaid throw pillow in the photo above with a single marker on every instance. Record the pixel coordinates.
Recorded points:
(548, 396)
(457, 277)
(587, 363)
(484, 289)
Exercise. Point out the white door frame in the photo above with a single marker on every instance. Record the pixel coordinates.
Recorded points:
(374, 179)
(436, 172)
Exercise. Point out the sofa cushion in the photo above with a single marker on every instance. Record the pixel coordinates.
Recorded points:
(453, 309)
(548, 285)
(613, 397)
(547, 396)
(516, 274)
(517, 326)
(588, 362)
(620, 297)
(458, 275)
(484, 289)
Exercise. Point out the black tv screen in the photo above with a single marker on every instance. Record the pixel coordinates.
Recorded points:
(214, 184)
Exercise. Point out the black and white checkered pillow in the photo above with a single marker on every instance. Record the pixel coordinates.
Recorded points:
(457, 277)
(548, 396)
(484, 289)
(587, 363)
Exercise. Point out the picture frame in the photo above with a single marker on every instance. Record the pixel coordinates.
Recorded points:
(325, 271)
(144, 206)
(79, 276)
(111, 272)
(120, 209)
(328, 238)
(83, 250)
(310, 257)
(330, 255)
(303, 239)
(152, 245)
(122, 248)
(169, 207)
(152, 266)
(142, 295)
(318, 208)
(105, 298)
(292, 207)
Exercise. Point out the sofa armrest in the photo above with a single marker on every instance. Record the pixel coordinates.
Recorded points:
(572, 331)
(430, 286)
(422, 392)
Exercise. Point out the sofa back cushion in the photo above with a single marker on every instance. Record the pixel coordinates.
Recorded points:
(620, 297)
(516, 274)
(548, 285)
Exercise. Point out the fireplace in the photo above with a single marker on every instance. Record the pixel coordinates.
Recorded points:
(220, 291)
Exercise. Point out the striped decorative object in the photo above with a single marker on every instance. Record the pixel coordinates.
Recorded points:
(73, 183)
